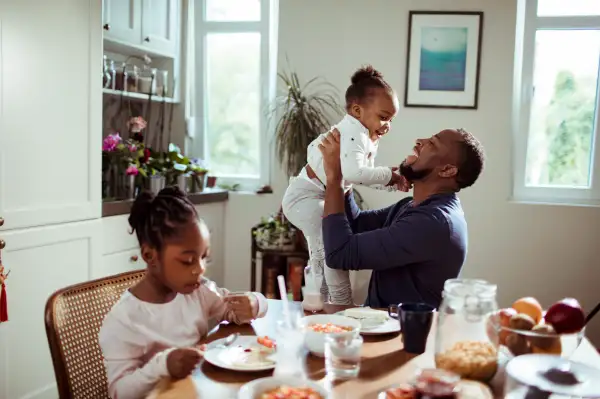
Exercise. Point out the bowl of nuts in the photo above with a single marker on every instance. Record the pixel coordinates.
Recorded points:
(526, 328)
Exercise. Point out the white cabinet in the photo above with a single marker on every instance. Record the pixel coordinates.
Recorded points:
(160, 25)
(148, 25)
(122, 20)
(50, 129)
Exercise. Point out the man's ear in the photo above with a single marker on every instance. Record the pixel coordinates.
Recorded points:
(150, 255)
(448, 171)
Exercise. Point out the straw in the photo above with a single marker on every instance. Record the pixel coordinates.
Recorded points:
(284, 298)
(592, 314)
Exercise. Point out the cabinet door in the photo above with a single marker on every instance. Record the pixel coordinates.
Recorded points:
(161, 26)
(123, 21)
(120, 262)
(50, 112)
(41, 261)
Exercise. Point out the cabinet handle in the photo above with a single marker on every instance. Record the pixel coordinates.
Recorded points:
(147, 39)
(134, 258)
(106, 26)
(2, 244)
(1, 221)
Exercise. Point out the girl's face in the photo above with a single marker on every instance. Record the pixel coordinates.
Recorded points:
(377, 112)
(182, 261)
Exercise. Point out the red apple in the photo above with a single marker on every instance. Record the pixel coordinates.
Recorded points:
(501, 319)
(566, 316)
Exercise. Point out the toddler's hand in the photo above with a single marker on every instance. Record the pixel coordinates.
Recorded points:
(181, 362)
(244, 306)
(399, 181)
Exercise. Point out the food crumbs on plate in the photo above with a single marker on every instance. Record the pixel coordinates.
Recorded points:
(286, 392)
(247, 350)
(404, 391)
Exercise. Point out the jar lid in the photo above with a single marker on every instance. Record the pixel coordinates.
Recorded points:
(556, 375)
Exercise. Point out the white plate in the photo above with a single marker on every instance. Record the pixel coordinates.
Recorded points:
(389, 326)
(254, 389)
(226, 357)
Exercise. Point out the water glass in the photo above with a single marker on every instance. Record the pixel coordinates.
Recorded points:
(342, 355)
(291, 352)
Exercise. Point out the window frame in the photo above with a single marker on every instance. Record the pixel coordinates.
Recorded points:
(528, 23)
(267, 27)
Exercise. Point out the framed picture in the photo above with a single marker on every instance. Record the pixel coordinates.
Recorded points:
(443, 59)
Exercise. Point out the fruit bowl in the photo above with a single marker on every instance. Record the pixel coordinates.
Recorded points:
(513, 342)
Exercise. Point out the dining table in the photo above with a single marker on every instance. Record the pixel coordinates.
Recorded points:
(384, 363)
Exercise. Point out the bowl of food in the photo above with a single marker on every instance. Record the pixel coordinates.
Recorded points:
(282, 388)
(318, 326)
(526, 328)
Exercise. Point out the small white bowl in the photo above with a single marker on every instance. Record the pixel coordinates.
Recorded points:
(315, 341)
(253, 389)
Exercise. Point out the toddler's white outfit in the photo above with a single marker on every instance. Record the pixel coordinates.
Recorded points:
(136, 336)
(305, 197)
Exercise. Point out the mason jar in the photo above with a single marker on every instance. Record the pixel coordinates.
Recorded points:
(462, 342)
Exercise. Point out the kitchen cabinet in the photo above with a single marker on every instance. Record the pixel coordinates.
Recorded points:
(161, 25)
(122, 20)
(50, 200)
(152, 26)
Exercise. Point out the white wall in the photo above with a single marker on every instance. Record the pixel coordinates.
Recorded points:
(546, 251)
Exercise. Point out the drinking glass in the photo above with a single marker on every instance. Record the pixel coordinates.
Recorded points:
(291, 352)
(342, 355)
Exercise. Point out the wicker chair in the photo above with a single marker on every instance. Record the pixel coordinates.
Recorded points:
(73, 317)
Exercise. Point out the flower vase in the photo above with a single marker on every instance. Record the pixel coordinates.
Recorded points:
(111, 177)
(183, 182)
(128, 187)
(156, 183)
(197, 182)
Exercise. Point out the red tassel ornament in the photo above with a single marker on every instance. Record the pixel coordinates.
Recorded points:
(3, 305)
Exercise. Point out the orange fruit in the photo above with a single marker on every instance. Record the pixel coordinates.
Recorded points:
(530, 306)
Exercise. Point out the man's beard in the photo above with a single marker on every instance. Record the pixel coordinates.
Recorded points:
(413, 175)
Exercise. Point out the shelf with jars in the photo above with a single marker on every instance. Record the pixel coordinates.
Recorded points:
(139, 77)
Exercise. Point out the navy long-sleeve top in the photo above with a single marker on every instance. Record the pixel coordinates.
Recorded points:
(412, 250)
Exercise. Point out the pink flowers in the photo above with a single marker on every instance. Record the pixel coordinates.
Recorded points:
(132, 170)
(111, 142)
(136, 124)
(132, 148)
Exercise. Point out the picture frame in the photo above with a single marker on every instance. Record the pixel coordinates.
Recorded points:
(443, 59)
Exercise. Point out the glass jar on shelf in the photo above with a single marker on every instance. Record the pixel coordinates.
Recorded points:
(162, 84)
(147, 80)
(107, 68)
(463, 344)
(119, 76)
(131, 78)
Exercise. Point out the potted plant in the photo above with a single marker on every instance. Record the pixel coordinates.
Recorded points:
(275, 233)
(303, 112)
(198, 170)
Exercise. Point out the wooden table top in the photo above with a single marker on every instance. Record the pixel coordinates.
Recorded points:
(384, 363)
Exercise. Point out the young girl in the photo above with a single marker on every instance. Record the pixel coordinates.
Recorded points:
(152, 330)
(371, 104)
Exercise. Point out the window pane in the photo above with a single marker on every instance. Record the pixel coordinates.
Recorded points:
(233, 103)
(233, 10)
(568, 7)
(559, 150)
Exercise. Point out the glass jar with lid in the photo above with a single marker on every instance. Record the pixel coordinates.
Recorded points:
(147, 80)
(132, 77)
(107, 72)
(463, 344)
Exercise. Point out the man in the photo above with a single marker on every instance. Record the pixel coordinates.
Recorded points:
(415, 245)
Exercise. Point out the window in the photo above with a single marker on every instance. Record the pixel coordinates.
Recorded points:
(556, 109)
(235, 72)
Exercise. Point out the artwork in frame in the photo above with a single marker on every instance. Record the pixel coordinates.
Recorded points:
(443, 59)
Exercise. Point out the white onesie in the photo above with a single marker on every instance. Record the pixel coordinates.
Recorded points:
(304, 198)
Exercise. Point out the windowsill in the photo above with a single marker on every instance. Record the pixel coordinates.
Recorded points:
(123, 207)
(565, 203)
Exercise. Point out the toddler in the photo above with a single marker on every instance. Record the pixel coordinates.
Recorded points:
(371, 104)
(153, 329)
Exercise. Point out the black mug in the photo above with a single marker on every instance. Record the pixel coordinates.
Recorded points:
(415, 323)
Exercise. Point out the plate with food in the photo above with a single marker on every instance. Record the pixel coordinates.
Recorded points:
(247, 353)
(372, 321)
(282, 388)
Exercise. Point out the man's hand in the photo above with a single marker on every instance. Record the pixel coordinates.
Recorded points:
(181, 362)
(244, 306)
(330, 148)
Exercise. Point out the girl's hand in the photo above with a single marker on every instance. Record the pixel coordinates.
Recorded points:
(181, 362)
(244, 306)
